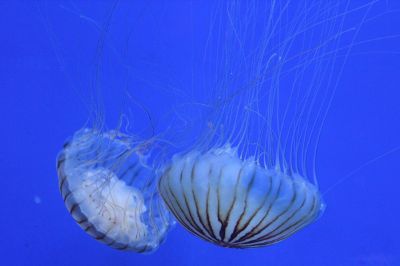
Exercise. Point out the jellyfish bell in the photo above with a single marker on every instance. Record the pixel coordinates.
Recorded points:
(109, 190)
(235, 202)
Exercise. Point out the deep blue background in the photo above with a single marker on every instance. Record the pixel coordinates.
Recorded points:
(47, 54)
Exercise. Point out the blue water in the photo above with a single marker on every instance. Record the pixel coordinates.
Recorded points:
(48, 63)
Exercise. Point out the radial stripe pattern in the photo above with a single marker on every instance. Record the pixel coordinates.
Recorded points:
(235, 203)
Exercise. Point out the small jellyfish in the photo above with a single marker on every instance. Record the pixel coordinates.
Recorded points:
(110, 191)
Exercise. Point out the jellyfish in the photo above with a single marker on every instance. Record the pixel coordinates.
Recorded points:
(109, 190)
(250, 179)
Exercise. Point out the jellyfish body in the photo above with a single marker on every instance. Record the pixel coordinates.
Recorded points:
(277, 70)
(237, 203)
(110, 192)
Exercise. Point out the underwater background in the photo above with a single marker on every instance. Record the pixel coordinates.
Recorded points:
(49, 58)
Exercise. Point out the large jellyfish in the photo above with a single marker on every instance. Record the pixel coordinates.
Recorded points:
(250, 180)
(110, 190)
